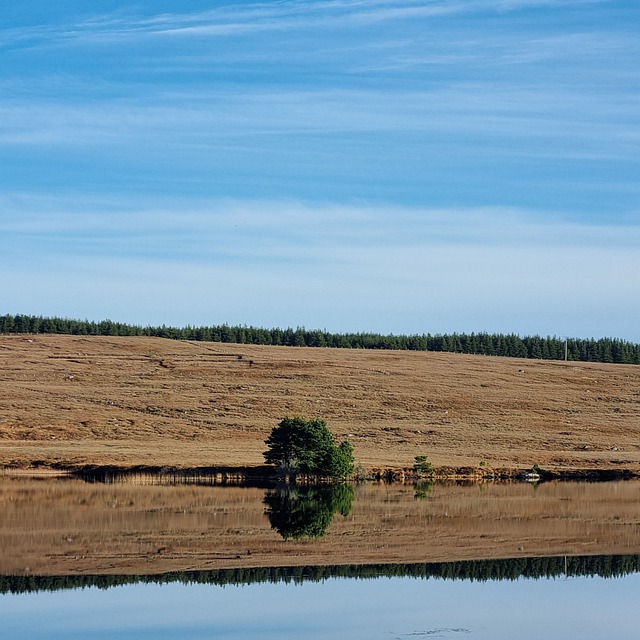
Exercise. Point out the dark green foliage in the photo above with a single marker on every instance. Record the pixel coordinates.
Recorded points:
(341, 460)
(307, 511)
(304, 446)
(550, 348)
(422, 465)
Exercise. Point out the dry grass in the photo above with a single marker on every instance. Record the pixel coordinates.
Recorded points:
(127, 401)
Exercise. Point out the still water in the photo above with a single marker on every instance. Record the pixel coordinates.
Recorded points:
(140, 559)
(588, 608)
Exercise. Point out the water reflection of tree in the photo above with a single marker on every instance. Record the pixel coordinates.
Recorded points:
(423, 489)
(306, 511)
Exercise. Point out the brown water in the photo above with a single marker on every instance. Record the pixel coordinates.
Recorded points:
(69, 526)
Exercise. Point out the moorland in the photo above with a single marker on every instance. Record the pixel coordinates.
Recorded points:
(69, 401)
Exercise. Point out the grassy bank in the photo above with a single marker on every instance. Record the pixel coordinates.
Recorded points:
(70, 401)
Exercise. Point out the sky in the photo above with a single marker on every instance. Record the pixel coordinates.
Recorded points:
(405, 166)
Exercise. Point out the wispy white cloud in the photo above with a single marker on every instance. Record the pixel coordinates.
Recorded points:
(382, 268)
(512, 5)
(489, 50)
(244, 18)
(284, 225)
(571, 122)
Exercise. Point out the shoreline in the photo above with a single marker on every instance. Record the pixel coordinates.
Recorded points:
(262, 475)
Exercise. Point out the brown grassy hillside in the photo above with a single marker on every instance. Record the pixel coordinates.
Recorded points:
(128, 401)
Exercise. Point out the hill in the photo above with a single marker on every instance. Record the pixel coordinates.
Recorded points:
(73, 400)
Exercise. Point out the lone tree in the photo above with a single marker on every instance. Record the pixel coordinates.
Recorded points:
(304, 446)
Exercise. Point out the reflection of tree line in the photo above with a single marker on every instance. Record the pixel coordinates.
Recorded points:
(478, 570)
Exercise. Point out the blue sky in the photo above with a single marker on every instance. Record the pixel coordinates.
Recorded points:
(407, 166)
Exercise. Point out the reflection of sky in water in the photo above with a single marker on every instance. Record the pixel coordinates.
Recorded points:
(387, 608)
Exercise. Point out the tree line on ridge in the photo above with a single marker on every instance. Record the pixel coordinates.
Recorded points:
(611, 350)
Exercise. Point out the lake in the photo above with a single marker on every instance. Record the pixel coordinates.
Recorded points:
(385, 608)
(149, 559)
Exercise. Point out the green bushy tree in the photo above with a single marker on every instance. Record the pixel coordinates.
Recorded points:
(304, 446)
